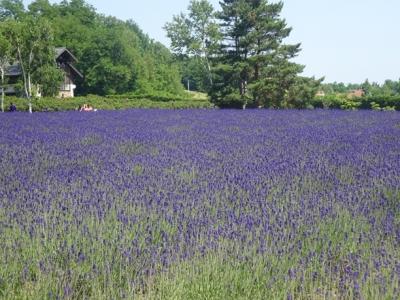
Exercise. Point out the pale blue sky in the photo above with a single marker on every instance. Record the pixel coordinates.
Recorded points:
(343, 40)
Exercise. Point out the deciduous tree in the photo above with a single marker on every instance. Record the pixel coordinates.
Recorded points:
(5, 59)
(32, 40)
(11, 9)
(196, 34)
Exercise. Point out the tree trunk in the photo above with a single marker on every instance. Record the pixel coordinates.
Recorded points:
(209, 71)
(27, 80)
(23, 72)
(243, 87)
(29, 86)
(243, 92)
(30, 93)
(256, 78)
(2, 99)
(2, 90)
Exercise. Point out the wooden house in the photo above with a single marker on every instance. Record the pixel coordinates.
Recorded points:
(65, 61)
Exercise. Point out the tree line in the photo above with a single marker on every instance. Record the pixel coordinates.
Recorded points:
(115, 56)
(237, 54)
(388, 88)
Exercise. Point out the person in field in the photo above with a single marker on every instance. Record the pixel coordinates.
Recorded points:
(87, 107)
(12, 108)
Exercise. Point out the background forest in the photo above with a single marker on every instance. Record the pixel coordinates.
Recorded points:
(116, 57)
(236, 55)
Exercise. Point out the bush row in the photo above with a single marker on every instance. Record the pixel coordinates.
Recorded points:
(182, 102)
(371, 102)
(156, 97)
(104, 103)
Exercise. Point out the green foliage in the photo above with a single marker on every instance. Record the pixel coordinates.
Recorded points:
(114, 56)
(49, 77)
(254, 67)
(13, 9)
(339, 88)
(382, 101)
(389, 108)
(302, 92)
(164, 101)
(33, 48)
(375, 106)
(388, 88)
(5, 59)
(195, 38)
(192, 70)
(106, 78)
(343, 102)
(349, 104)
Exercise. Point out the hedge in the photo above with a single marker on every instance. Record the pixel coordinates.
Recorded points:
(106, 103)
(372, 102)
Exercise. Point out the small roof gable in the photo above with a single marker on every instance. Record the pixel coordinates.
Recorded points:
(62, 50)
(15, 69)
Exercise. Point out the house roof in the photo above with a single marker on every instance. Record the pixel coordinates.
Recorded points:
(61, 50)
(15, 69)
(75, 71)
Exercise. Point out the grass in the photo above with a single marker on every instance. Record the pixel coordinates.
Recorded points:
(229, 272)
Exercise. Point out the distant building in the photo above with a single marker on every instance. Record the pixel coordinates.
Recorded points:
(320, 94)
(65, 61)
(356, 93)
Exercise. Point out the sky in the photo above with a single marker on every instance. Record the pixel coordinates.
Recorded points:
(342, 40)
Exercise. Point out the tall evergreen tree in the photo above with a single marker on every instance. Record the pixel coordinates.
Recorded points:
(255, 67)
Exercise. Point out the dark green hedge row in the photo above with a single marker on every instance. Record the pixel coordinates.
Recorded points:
(372, 102)
(103, 103)
(384, 101)
(157, 97)
(180, 102)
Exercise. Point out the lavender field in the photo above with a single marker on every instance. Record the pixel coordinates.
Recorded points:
(197, 204)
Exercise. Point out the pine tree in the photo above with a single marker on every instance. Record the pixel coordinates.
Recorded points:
(255, 67)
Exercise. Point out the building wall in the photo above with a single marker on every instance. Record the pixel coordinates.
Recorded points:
(66, 94)
(67, 87)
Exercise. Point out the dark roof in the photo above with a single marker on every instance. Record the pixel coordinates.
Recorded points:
(61, 50)
(13, 70)
(75, 71)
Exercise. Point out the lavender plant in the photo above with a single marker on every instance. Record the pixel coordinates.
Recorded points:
(193, 204)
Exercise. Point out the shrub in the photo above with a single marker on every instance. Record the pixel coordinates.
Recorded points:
(382, 101)
(342, 102)
(375, 106)
(110, 102)
(350, 105)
